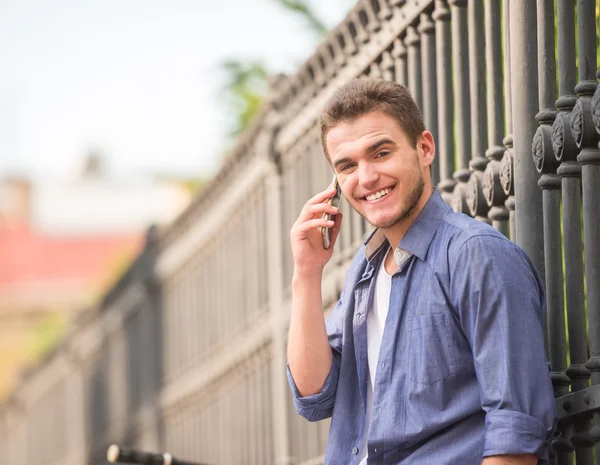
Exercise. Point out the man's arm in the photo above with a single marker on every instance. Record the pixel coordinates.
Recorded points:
(527, 459)
(309, 352)
(500, 300)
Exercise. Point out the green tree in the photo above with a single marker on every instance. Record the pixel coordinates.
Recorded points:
(305, 12)
(246, 81)
(244, 91)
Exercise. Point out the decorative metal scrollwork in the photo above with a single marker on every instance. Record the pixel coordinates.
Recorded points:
(506, 173)
(459, 199)
(577, 122)
(583, 126)
(562, 140)
(596, 109)
(542, 150)
(492, 186)
(558, 137)
(474, 195)
(488, 184)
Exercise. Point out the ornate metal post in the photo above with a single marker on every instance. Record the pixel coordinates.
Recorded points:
(590, 159)
(399, 56)
(350, 48)
(427, 31)
(374, 71)
(362, 36)
(506, 165)
(475, 200)
(569, 170)
(336, 42)
(445, 104)
(373, 20)
(462, 115)
(586, 138)
(523, 65)
(387, 66)
(546, 92)
(549, 182)
(413, 42)
(492, 188)
(385, 12)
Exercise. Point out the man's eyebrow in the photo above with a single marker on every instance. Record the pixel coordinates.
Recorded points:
(341, 161)
(379, 143)
(371, 148)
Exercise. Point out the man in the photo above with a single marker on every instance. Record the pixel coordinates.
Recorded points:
(434, 353)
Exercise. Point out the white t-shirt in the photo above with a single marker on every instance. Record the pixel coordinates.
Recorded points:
(375, 324)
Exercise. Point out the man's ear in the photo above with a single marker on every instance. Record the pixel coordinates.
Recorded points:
(426, 148)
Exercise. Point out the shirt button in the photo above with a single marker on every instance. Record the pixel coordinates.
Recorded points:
(355, 450)
(374, 450)
(382, 364)
(378, 410)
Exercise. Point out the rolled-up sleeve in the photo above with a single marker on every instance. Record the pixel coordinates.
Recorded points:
(500, 299)
(512, 432)
(320, 405)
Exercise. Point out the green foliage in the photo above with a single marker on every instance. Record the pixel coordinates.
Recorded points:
(302, 9)
(246, 81)
(47, 333)
(244, 91)
(195, 185)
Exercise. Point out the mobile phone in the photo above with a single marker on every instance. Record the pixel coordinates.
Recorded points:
(334, 201)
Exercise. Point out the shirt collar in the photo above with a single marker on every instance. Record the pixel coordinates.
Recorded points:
(418, 238)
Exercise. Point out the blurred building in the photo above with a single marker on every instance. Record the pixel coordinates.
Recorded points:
(62, 244)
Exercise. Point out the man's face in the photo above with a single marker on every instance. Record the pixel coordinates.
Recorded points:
(381, 174)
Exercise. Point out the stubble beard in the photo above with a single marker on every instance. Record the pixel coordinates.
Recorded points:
(411, 203)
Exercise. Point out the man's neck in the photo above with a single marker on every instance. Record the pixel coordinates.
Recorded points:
(395, 234)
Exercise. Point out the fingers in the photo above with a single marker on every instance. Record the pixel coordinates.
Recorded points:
(311, 211)
(304, 228)
(321, 197)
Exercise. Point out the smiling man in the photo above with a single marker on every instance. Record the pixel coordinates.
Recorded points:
(434, 353)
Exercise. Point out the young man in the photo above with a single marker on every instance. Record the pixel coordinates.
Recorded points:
(434, 353)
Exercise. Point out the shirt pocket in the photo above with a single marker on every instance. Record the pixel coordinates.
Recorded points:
(431, 350)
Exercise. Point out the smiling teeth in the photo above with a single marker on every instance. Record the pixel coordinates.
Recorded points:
(376, 195)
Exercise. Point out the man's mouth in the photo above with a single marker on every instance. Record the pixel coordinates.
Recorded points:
(378, 194)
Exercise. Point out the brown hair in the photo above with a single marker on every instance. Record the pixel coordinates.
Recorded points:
(365, 95)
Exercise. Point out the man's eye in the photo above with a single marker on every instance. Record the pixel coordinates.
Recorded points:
(346, 167)
(383, 153)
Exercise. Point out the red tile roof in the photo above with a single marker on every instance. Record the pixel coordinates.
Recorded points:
(27, 256)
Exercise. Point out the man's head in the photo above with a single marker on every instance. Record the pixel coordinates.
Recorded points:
(374, 137)
(361, 96)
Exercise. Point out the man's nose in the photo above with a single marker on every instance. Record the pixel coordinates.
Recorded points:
(367, 175)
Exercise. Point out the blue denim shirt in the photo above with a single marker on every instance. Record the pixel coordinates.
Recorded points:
(462, 373)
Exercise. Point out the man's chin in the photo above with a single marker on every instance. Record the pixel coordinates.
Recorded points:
(383, 223)
(387, 222)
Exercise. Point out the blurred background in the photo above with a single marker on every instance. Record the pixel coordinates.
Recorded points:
(106, 103)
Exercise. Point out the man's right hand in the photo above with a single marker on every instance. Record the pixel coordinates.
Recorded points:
(309, 353)
(307, 245)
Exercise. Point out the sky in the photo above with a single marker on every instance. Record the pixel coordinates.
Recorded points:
(136, 80)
